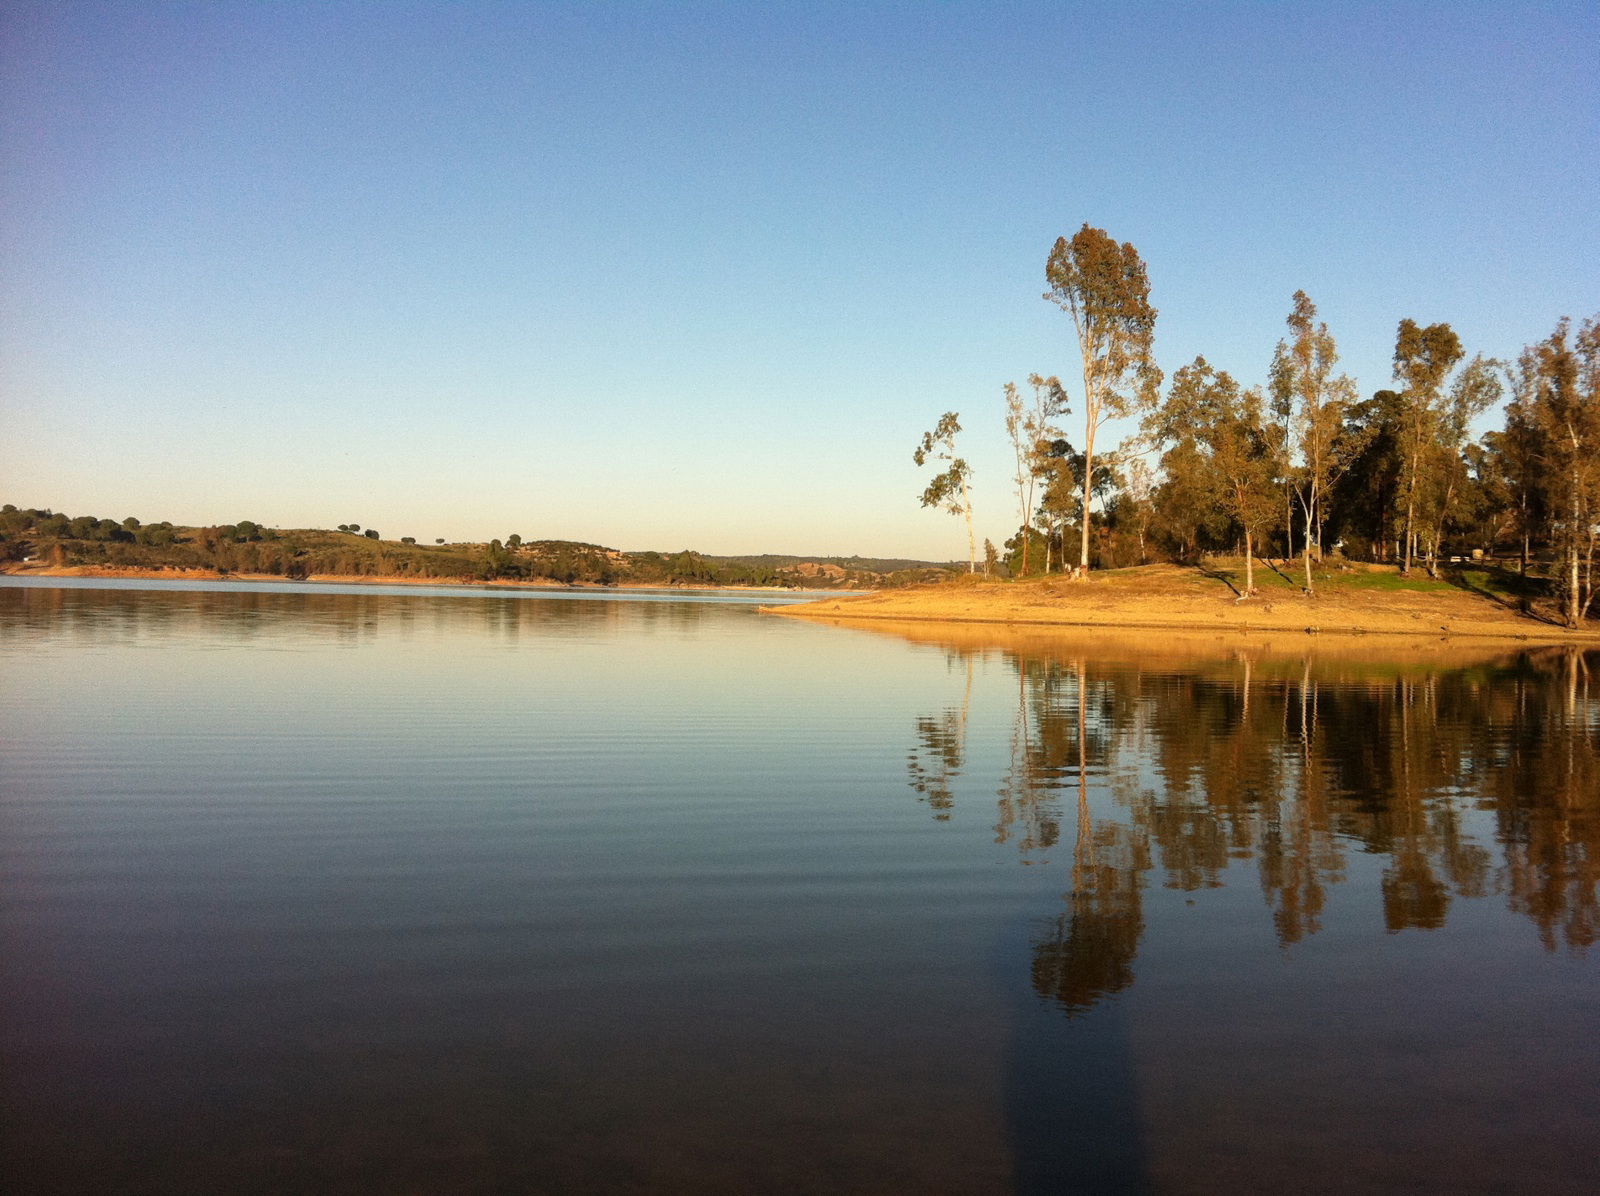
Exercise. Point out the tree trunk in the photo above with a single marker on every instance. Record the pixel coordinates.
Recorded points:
(1249, 573)
(1310, 589)
(1288, 537)
(1405, 566)
(1573, 610)
(1088, 494)
(1588, 578)
(972, 545)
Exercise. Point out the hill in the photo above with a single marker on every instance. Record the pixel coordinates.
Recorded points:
(39, 540)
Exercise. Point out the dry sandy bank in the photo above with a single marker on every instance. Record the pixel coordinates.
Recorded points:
(1153, 601)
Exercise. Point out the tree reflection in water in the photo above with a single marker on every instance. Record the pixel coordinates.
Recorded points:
(935, 762)
(1466, 782)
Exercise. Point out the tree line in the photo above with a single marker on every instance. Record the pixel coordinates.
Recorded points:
(41, 536)
(1300, 464)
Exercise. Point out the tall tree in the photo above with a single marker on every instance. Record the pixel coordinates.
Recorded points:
(1313, 402)
(1477, 388)
(1518, 454)
(949, 490)
(1423, 359)
(1566, 412)
(1106, 290)
(1049, 404)
(1021, 451)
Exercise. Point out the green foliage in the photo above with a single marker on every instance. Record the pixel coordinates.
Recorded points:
(949, 490)
(1105, 288)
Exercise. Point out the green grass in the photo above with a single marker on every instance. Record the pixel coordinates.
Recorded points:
(1384, 581)
(1492, 581)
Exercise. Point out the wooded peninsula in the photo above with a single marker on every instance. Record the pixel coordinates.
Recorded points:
(1389, 493)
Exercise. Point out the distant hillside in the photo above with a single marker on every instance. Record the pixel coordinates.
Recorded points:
(36, 539)
(854, 563)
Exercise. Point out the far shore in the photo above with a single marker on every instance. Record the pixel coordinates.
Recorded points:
(344, 579)
(1157, 599)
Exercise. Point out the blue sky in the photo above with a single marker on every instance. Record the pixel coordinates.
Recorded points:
(667, 275)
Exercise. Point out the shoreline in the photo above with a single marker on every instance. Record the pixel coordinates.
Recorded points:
(346, 579)
(1164, 599)
(840, 618)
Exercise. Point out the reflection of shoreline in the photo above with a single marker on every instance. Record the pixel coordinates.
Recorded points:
(1166, 647)
(92, 573)
(336, 612)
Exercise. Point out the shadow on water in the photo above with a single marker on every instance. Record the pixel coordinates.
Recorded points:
(1071, 1103)
(1071, 1099)
(1070, 1106)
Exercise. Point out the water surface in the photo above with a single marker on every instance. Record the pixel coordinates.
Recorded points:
(348, 889)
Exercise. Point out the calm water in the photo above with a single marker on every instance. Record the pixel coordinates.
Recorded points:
(353, 890)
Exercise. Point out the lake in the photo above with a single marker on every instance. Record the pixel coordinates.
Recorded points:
(347, 888)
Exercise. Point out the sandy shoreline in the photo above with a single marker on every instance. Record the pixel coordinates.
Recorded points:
(1155, 600)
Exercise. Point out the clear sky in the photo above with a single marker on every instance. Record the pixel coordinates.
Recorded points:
(668, 275)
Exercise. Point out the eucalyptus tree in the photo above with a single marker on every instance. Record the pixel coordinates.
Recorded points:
(1312, 402)
(1565, 410)
(1031, 432)
(950, 489)
(1364, 501)
(1445, 466)
(1423, 359)
(1106, 290)
(1019, 432)
(1517, 456)
(1235, 449)
(1139, 487)
(1186, 510)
